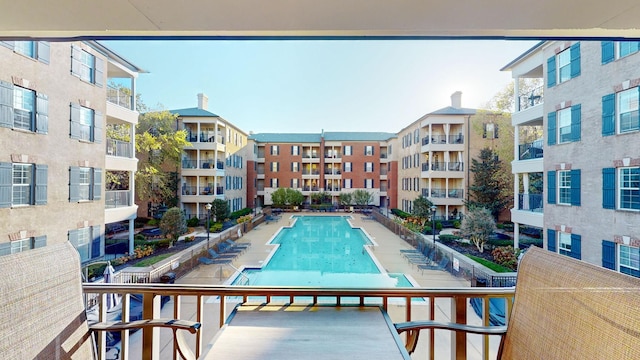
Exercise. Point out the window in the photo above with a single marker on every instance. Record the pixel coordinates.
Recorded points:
(616, 50)
(85, 184)
(274, 183)
(564, 187)
(368, 183)
(368, 150)
(23, 184)
(564, 125)
(86, 241)
(564, 243)
(368, 167)
(347, 150)
(564, 239)
(24, 109)
(563, 66)
(347, 184)
(628, 118)
(629, 188)
(39, 50)
(274, 150)
(416, 136)
(86, 66)
(347, 167)
(295, 167)
(275, 166)
(86, 124)
(20, 245)
(490, 131)
(295, 150)
(629, 260)
(294, 183)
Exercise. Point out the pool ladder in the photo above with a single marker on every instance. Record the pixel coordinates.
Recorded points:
(242, 275)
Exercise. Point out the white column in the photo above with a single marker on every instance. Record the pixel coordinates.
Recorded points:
(525, 193)
(516, 94)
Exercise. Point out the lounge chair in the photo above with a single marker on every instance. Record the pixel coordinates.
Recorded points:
(563, 309)
(442, 265)
(270, 218)
(43, 310)
(215, 255)
(207, 261)
(225, 248)
(238, 245)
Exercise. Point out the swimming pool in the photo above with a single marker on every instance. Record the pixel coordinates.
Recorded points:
(322, 251)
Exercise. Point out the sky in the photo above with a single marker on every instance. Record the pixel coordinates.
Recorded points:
(315, 85)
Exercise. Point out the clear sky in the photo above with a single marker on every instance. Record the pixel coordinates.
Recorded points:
(308, 86)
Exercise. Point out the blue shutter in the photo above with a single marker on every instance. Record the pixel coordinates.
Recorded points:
(5, 248)
(43, 51)
(41, 184)
(75, 60)
(6, 104)
(575, 187)
(576, 118)
(608, 51)
(608, 254)
(551, 128)
(7, 44)
(551, 71)
(576, 247)
(575, 60)
(99, 71)
(98, 124)
(608, 114)
(40, 241)
(551, 187)
(97, 184)
(6, 184)
(74, 184)
(551, 240)
(75, 128)
(42, 113)
(96, 249)
(609, 188)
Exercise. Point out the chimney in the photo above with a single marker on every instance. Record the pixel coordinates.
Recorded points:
(456, 100)
(203, 101)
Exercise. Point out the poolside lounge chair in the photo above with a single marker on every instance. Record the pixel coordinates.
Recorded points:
(238, 245)
(225, 248)
(270, 218)
(43, 310)
(207, 261)
(215, 255)
(563, 309)
(442, 265)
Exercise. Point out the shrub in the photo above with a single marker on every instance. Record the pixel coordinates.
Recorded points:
(399, 213)
(153, 222)
(138, 237)
(140, 222)
(189, 238)
(245, 218)
(141, 251)
(163, 244)
(506, 256)
(216, 227)
(456, 224)
(240, 213)
(193, 222)
(448, 238)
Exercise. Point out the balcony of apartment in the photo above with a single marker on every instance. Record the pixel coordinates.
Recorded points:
(260, 172)
(119, 206)
(332, 172)
(200, 193)
(442, 143)
(529, 210)
(451, 196)
(332, 156)
(204, 139)
(311, 156)
(120, 156)
(260, 155)
(120, 105)
(192, 167)
(529, 107)
(384, 157)
(310, 188)
(383, 172)
(530, 158)
(451, 169)
(310, 173)
(333, 188)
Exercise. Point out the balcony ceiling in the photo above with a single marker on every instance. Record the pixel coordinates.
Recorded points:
(323, 18)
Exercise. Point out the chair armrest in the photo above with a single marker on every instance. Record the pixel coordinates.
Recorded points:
(413, 330)
(175, 325)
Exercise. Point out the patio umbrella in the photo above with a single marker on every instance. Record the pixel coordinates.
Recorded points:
(112, 299)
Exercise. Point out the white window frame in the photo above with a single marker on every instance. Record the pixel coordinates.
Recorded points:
(84, 243)
(348, 150)
(629, 257)
(26, 48)
(368, 167)
(274, 166)
(295, 166)
(87, 63)
(274, 182)
(21, 245)
(563, 61)
(368, 150)
(627, 102)
(24, 107)
(348, 167)
(624, 48)
(368, 183)
(628, 183)
(295, 183)
(564, 242)
(22, 189)
(295, 150)
(348, 183)
(275, 150)
(84, 183)
(564, 187)
(563, 123)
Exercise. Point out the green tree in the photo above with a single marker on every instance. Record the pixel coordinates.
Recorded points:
(320, 198)
(345, 199)
(362, 197)
(488, 189)
(504, 100)
(160, 146)
(173, 224)
(422, 209)
(295, 197)
(477, 225)
(220, 210)
(287, 197)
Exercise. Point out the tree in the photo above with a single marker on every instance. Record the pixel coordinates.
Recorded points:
(160, 147)
(504, 100)
(287, 197)
(362, 197)
(422, 209)
(488, 189)
(320, 198)
(173, 224)
(478, 225)
(220, 210)
(345, 199)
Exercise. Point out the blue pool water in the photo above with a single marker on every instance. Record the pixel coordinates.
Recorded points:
(322, 251)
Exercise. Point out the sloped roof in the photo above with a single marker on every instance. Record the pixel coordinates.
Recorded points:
(316, 138)
(358, 136)
(193, 112)
(450, 110)
(285, 138)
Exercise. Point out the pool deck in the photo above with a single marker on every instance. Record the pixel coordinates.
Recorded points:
(387, 253)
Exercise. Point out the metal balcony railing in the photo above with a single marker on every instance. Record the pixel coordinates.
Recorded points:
(533, 98)
(310, 172)
(332, 171)
(119, 96)
(117, 198)
(456, 139)
(442, 193)
(119, 148)
(530, 202)
(532, 150)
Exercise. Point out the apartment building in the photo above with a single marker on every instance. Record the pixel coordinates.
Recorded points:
(331, 162)
(212, 166)
(53, 116)
(591, 161)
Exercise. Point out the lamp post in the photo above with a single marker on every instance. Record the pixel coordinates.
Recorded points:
(433, 223)
(208, 206)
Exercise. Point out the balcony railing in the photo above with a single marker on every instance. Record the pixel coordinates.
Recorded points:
(443, 166)
(119, 148)
(442, 193)
(535, 97)
(310, 155)
(530, 202)
(332, 156)
(532, 150)
(456, 139)
(117, 198)
(332, 171)
(384, 171)
(310, 172)
(119, 97)
(401, 304)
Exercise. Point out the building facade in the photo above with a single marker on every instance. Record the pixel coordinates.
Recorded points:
(53, 116)
(591, 161)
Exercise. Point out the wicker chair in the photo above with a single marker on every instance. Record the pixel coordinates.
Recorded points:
(42, 312)
(563, 309)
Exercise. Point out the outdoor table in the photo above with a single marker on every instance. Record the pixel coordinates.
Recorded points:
(307, 332)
